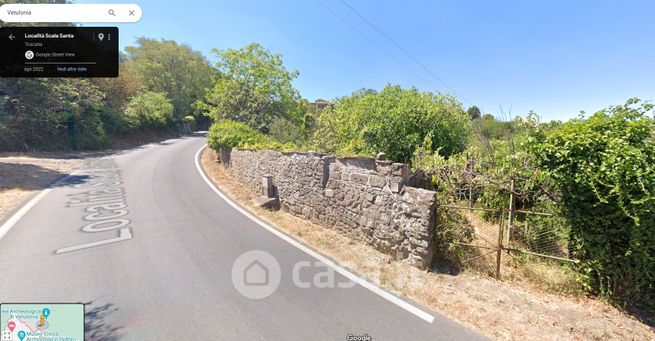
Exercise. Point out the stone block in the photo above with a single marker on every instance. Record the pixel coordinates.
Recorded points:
(376, 181)
(398, 169)
(361, 179)
(396, 184)
(267, 186)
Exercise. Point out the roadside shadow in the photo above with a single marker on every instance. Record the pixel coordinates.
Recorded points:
(96, 326)
(642, 314)
(27, 176)
(445, 267)
(71, 180)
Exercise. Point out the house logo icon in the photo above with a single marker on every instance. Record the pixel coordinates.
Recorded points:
(256, 274)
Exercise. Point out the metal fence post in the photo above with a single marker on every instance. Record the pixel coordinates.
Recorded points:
(470, 182)
(510, 218)
(500, 243)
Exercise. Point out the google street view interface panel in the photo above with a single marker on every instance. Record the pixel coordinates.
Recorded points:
(327, 170)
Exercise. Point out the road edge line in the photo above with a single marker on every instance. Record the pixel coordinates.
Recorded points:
(9, 223)
(21, 212)
(346, 273)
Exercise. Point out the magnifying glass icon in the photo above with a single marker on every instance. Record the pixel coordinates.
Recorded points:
(111, 12)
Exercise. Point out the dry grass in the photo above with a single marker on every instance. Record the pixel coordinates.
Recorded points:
(509, 310)
(551, 276)
(22, 176)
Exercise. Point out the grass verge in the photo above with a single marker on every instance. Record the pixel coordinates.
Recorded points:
(22, 176)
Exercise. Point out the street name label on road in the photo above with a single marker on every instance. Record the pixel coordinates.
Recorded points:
(42, 321)
(103, 204)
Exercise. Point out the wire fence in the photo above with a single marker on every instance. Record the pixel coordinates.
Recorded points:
(511, 231)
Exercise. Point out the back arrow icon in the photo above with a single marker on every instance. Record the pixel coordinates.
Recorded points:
(11, 37)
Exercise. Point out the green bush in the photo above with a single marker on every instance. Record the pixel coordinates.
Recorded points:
(286, 131)
(231, 134)
(149, 110)
(604, 168)
(189, 119)
(51, 114)
(395, 121)
(254, 88)
(90, 133)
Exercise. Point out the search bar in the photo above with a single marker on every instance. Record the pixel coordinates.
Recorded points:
(74, 13)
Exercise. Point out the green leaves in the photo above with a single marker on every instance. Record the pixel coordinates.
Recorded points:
(254, 88)
(44, 113)
(230, 134)
(165, 66)
(605, 169)
(394, 121)
(149, 110)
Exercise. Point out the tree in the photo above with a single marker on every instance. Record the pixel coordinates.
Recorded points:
(149, 110)
(254, 88)
(473, 112)
(395, 121)
(189, 123)
(285, 131)
(23, 124)
(119, 90)
(604, 168)
(117, 94)
(172, 68)
(50, 113)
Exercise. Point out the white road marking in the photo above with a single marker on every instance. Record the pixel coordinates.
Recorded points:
(27, 207)
(102, 194)
(364, 283)
(125, 234)
(20, 213)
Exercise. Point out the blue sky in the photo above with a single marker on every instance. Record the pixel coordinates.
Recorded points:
(554, 57)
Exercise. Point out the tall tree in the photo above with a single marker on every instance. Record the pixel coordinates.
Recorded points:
(254, 88)
(473, 112)
(172, 68)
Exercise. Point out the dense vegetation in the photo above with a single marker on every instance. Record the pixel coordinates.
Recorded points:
(395, 121)
(158, 85)
(255, 88)
(230, 134)
(597, 173)
(604, 169)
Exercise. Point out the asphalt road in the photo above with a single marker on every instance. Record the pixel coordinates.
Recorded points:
(157, 265)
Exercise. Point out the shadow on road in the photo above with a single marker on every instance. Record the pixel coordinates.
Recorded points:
(72, 180)
(95, 325)
(26, 176)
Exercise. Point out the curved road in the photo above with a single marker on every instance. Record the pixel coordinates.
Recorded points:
(157, 264)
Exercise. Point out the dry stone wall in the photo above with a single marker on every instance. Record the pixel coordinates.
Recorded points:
(364, 198)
